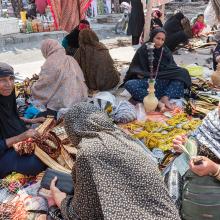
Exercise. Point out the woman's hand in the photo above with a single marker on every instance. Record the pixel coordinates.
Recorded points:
(205, 168)
(179, 140)
(34, 120)
(31, 133)
(57, 195)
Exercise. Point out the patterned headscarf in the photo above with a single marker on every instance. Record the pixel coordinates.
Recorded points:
(113, 177)
(208, 133)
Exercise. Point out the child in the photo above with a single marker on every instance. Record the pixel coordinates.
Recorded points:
(198, 26)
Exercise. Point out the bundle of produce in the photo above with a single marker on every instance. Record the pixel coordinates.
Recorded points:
(22, 89)
(161, 135)
(49, 147)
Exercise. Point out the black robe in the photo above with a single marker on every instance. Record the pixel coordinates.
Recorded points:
(10, 123)
(136, 20)
(168, 69)
(175, 34)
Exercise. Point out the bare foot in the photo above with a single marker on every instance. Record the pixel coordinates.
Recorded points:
(161, 106)
(165, 100)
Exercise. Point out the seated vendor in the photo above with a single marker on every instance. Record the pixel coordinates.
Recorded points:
(113, 177)
(71, 41)
(61, 82)
(96, 62)
(198, 26)
(175, 31)
(171, 80)
(13, 130)
(207, 137)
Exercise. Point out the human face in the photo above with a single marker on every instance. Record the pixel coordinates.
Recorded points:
(200, 18)
(159, 40)
(6, 85)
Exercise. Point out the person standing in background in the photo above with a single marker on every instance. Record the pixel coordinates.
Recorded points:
(136, 21)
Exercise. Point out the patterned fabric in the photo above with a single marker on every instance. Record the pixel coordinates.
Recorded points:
(113, 177)
(61, 81)
(208, 134)
(125, 112)
(66, 12)
(171, 88)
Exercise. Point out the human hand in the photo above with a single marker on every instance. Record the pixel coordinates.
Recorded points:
(217, 59)
(207, 167)
(31, 133)
(179, 140)
(57, 195)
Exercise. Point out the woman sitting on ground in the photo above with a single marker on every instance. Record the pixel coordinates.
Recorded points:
(61, 82)
(96, 62)
(207, 137)
(13, 130)
(114, 178)
(175, 31)
(171, 80)
(71, 41)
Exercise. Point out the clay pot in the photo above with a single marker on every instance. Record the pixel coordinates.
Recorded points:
(216, 76)
(150, 101)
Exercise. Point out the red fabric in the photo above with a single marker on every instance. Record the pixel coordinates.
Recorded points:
(198, 28)
(83, 26)
(41, 6)
(66, 14)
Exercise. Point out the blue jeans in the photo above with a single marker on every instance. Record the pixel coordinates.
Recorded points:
(171, 88)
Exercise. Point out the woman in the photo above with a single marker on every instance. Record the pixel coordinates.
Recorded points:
(96, 62)
(207, 137)
(171, 80)
(175, 32)
(136, 21)
(13, 130)
(61, 81)
(71, 41)
(113, 177)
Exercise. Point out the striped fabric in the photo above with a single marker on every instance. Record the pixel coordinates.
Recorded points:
(66, 13)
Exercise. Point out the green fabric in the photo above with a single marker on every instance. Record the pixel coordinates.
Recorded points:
(65, 42)
(201, 198)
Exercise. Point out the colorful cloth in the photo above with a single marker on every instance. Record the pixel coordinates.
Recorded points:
(61, 82)
(67, 13)
(171, 88)
(114, 178)
(198, 27)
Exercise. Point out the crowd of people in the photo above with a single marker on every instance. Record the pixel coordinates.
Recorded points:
(113, 177)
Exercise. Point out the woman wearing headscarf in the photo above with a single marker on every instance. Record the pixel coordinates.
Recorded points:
(175, 32)
(113, 177)
(96, 62)
(206, 137)
(136, 21)
(71, 41)
(61, 82)
(13, 130)
(171, 80)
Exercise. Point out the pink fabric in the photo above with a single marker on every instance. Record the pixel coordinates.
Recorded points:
(41, 6)
(61, 81)
(198, 27)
